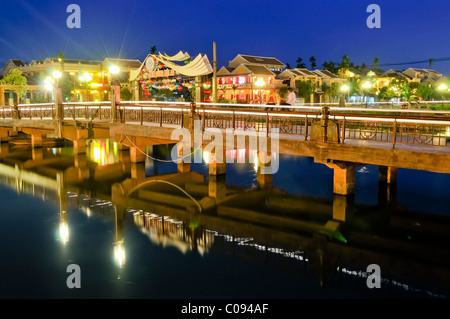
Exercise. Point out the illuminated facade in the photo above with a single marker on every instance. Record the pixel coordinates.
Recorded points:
(89, 80)
(249, 79)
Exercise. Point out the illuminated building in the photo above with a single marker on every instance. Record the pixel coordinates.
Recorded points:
(248, 79)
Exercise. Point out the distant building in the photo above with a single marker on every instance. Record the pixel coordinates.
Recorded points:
(11, 64)
(318, 78)
(423, 75)
(248, 79)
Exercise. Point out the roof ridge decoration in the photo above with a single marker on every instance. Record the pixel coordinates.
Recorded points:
(197, 67)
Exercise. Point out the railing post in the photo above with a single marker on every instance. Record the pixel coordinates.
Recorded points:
(325, 114)
(267, 124)
(234, 121)
(142, 115)
(86, 112)
(182, 117)
(161, 117)
(394, 133)
(343, 130)
(306, 127)
(204, 119)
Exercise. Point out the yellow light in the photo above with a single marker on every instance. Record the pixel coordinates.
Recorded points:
(72, 73)
(48, 86)
(442, 87)
(206, 157)
(99, 74)
(78, 91)
(97, 153)
(260, 82)
(366, 85)
(57, 75)
(81, 78)
(64, 232)
(119, 254)
(351, 74)
(114, 69)
(344, 88)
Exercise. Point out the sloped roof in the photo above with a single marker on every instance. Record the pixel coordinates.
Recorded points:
(326, 73)
(124, 63)
(305, 72)
(393, 73)
(17, 62)
(262, 60)
(255, 69)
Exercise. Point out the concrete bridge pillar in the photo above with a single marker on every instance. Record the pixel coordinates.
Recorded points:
(4, 136)
(79, 147)
(217, 164)
(217, 187)
(36, 140)
(138, 172)
(344, 177)
(183, 166)
(387, 174)
(342, 207)
(79, 143)
(264, 180)
(37, 153)
(137, 154)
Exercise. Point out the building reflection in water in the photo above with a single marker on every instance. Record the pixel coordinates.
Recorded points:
(327, 238)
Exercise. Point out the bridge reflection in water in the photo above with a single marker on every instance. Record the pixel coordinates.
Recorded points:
(329, 238)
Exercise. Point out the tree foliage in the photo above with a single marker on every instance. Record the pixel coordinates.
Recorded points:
(17, 82)
(304, 89)
(125, 93)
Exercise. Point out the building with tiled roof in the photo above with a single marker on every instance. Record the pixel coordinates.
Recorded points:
(248, 79)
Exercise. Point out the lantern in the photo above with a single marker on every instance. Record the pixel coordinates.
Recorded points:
(147, 93)
(180, 88)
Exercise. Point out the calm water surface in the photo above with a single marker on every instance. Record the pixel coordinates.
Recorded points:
(167, 251)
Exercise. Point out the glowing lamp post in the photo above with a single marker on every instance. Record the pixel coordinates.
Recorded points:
(366, 85)
(344, 89)
(58, 96)
(86, 78)
(442, 88)
(115, 92)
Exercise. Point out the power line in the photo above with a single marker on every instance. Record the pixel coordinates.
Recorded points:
(416, 62)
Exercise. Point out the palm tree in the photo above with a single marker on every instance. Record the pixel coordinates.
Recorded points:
(61, 57)
(153, 49)
(375, 62)
(300, 64)
(345, 64)
(430, 62)
(313, 62)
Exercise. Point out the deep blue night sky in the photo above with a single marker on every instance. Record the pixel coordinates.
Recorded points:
(411, 30)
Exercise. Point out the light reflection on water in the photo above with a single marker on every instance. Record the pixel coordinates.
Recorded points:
(143, 246)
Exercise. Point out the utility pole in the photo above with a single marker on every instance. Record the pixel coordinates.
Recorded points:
(214, 84)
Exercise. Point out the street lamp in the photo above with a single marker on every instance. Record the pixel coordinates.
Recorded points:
(86, 78)
(366, 85)
(344, 89)
(115, 92)
(442, 88)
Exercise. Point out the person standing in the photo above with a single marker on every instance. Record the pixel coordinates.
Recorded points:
(292, 98)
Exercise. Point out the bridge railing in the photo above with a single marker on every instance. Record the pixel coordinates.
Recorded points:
(424, 127)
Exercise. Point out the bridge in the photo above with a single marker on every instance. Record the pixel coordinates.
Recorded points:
(340, 137)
